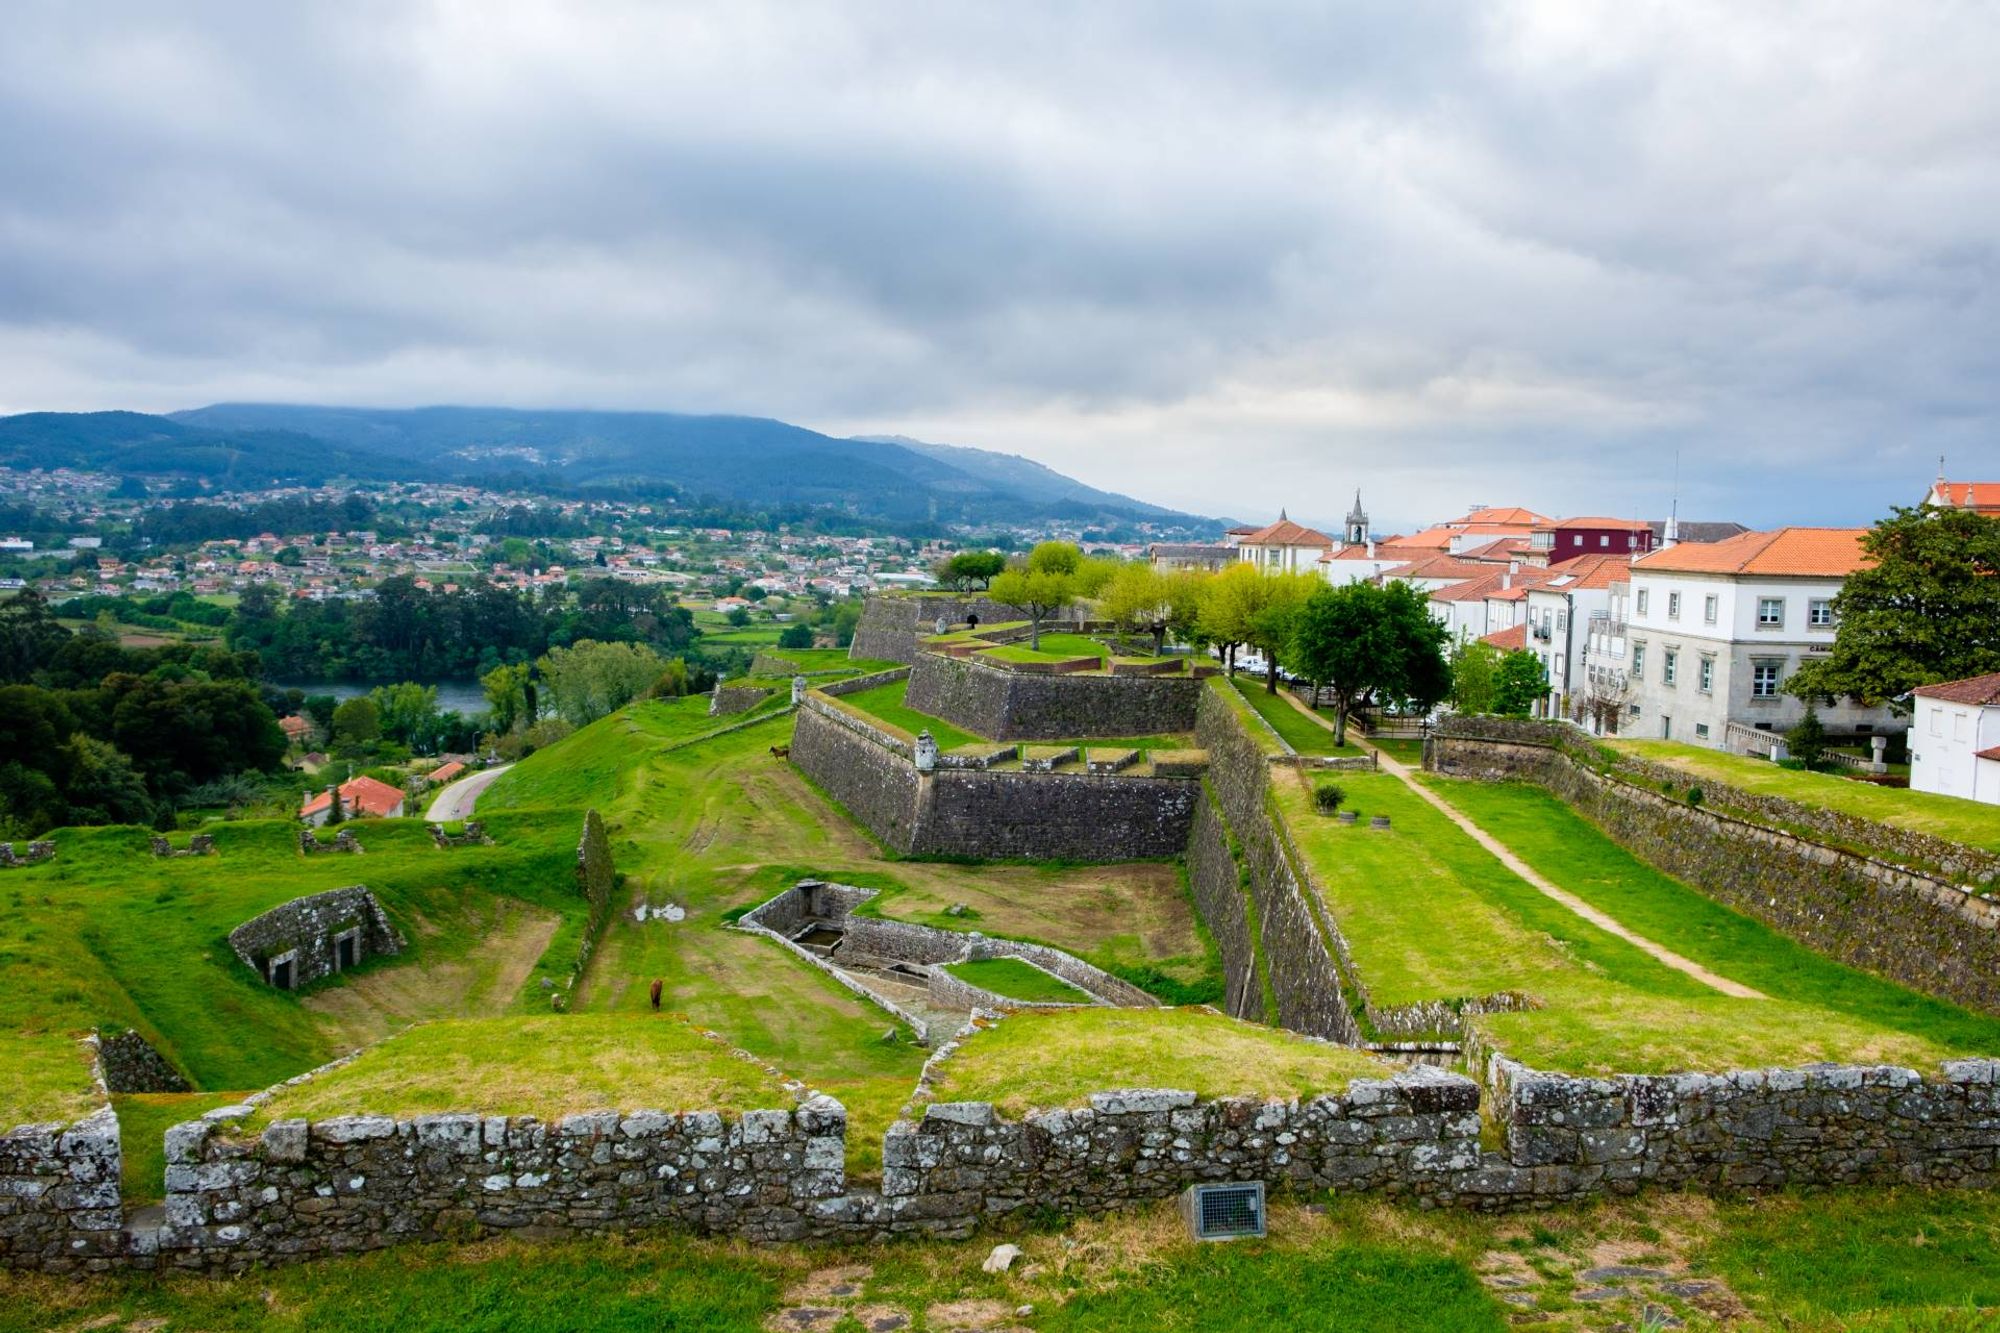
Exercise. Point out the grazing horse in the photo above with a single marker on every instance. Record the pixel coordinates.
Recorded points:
(656, 995)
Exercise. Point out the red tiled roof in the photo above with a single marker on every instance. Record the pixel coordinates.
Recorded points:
(1287, 533)
(1499, 550)
(1983, 496)
(446, 772)
(1821, 552)
(1514, 516)
(1597, 570)
(1471, 590)
(362, 795)
(1507, 640)
(1440, 567)
(1992, 753)
(1983, 691)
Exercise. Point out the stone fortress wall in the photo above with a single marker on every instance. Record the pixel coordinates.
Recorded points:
(1921, 928)
(1018, 706)
(892, 627)
(951, 811)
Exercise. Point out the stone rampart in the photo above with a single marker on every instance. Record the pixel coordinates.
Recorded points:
(1221, 887)
(1922, 931)
(893, 625)
(869, 768)
(311, 938)
(1017, 706)
(1295, 941)
(727, 700)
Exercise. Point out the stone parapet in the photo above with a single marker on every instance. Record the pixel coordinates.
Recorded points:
(1011, 703)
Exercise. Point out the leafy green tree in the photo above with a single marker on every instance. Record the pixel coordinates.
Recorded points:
(846, 619)
(1364, 642)
(1926, 610)
(1475, 671)
(796, 635)
(1228, 601)
(1274, 623)
(356, 723)
(102, 786)
(29, 635)
(970, 569)
(409, 714)
(1039, 592)
(1055, 558)
(738, 616)
(673, 682)
(505, 688)
(589, 680)
(1520, 683)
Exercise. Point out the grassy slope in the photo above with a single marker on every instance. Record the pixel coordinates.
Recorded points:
(1429, 914)
(1569, 850)
(1969, 822)
(1017, 981)
(1305, 735)
(549, 1066)
(106, 934)
(720, 824)
(1059, 1058)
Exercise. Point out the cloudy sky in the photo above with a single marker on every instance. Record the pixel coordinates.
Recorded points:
(1225, 257)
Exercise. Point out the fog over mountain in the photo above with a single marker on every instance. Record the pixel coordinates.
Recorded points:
(1226, 258)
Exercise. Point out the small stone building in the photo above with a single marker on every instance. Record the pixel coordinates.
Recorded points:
(307, 939)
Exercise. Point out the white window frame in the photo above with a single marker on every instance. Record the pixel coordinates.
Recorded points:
(1705, 674)
(1670, 662)
(1765, 622)
(1639, 661)
(1757, 670)
(1639, 601)
(1709, 604)
(1819, 613)
(1673, 606)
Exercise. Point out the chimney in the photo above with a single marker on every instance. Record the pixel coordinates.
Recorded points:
(1513, 567)
(1371, 548)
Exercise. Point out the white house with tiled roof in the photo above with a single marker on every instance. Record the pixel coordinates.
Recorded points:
(1955, 739)
(1560, 609)
(1982, 497)
(1717, 627)
(1285, 547)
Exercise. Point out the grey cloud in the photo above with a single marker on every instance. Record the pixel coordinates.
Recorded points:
(1222, 258)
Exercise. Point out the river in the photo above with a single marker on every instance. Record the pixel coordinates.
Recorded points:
(454, 696)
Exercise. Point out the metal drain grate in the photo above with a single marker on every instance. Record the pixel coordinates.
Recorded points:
(1224, 1212)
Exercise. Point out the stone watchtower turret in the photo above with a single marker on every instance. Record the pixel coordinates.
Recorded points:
(1357, 523)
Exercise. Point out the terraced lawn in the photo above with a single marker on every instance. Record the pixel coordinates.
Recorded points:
(885, 703)
(1058, 1058)
(1969, 822)
(1430, 915)
(1016, 980)
(1300, 732)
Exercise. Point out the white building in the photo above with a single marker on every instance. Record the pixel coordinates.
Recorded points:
(1285, 547)
(1560, 613)
(1715, 629)
(1955, 739)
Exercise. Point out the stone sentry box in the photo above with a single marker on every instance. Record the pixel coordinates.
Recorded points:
(308, 939)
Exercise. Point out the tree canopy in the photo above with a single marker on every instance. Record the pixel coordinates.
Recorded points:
(1363, 643)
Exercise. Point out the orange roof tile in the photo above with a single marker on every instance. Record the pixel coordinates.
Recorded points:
(1513, 516)
(1471, 590)
(1980, 690)
(1807, 552)
(362, 795)
(1507, 640)
(1596, 570)
(1613, 524)
(1983, 496)
(1287, 533)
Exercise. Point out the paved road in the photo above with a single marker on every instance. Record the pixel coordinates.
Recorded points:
(455, 801)
(1601, 920)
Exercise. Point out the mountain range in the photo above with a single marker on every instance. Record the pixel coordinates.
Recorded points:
(754, 462)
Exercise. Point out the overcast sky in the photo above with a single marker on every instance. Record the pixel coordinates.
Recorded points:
(1225, 257)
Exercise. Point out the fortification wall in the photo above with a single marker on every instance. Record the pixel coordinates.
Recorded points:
(1925, 932)
(130, 1064)
(1295, 942)
(1017, 706)
(728, 700)
(972, 812)
(1220, 885)
(892, 625)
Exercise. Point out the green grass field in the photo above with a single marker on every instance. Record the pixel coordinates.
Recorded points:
(1300, 732)
(1017, 980)
(1058, 1058)
(108, 935)
(1969, 822)
(1430, 915)
(885, 703)
(548, 1066)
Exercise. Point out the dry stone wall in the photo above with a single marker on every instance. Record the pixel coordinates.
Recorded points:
(1018, 706)
(129, 1063)
(727, 700)
(60, 1209)
(1220, 885)
(1925, 932)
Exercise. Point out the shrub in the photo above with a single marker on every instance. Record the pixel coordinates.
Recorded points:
(1327, 797)
(1694, 796)
(1666, 787)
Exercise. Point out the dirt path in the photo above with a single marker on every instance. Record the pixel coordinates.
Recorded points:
(455, 801)
(1526, 872)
